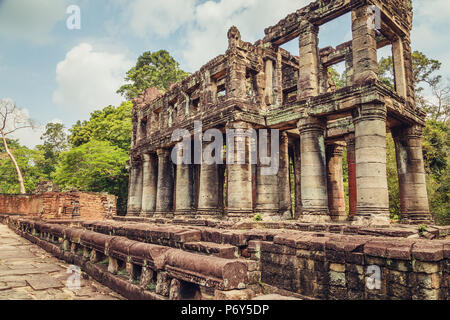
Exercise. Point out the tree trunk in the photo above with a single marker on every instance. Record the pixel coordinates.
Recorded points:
(19, 173)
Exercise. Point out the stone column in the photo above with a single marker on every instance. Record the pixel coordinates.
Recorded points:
(267, 198)
(208, 198)
(399, 67)
(278, 81)
(411, 174)
(239, 187)
(335, 182)
(236, 75)
(370, 152)
(409, 72)
(351, 164)
(364, 46)
(209, 91)
(313, 170)
(298, 180)
(135, 189)
(150, 179)
(268, 72)
(164, 195)
(184, 186)
(284, 187)
(308, 80)
(236, 81)
(349, 70)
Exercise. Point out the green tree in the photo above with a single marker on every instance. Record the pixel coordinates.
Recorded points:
(392, 179)
(109, 124)
(55, 142)
(94, 166)
(337, 78)
(13, 119)
(423, 70)
(436, 158)
(157, 69)
(27, 160)
(386, 71)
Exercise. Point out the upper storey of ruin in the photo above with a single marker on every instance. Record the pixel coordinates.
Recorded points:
(266, 85)
(396, 19)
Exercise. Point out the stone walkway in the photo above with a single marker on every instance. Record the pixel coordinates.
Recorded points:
(27, 272)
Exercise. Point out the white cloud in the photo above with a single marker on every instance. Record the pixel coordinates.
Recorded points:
(158, 17)
(435, 11)
(430, 30)
(203, 26)
(29, 136)
(88, 79)
(206, 37)
(30, 20)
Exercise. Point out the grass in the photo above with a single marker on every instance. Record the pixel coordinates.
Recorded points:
(422, 229)
(151, 286)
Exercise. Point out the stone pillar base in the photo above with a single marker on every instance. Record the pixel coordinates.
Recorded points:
(285, 214)
(315, 217)
(163, 214)
(244, 213)
(148, 214)
(133, 213)
(418, 218)
(374, 219)
(209, 212)
(184, 212)
(339, 217)
(269, 214)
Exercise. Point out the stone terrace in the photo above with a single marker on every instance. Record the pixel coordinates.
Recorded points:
(168, 261)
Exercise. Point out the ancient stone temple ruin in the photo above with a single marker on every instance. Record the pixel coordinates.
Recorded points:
(261, 85)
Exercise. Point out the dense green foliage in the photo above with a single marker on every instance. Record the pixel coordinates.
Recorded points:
(100, 148)
(109, 124)
(93, 166)
(27, 160)
(436, 157)
(55, 142)
(436, 102)
(157, 69)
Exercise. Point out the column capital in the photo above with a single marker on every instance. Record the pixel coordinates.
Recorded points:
(311, 124)
(147, 157)
(414, 131)
(350, 136)
(135, 161)
(335, 149)
(238, 125)
(369, 112)
(350, 140)
(308, 27)
(163, 152)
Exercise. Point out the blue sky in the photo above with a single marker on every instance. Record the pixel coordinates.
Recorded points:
(58, 74)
